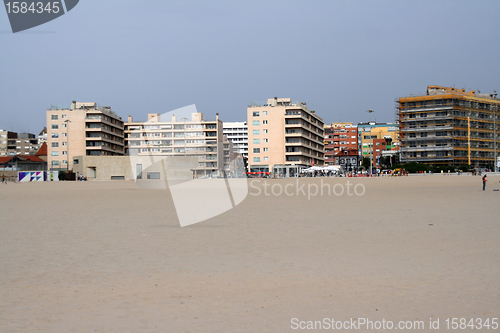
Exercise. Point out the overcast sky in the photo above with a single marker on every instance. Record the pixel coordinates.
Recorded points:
(341, 57)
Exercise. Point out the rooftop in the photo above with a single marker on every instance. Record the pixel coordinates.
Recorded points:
(278, 102)
(86, 107)
(441, 90)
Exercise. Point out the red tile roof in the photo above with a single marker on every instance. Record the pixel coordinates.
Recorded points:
(43, 150)
(32, 158)
(5, 159)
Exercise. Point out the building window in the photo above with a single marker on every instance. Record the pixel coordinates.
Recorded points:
(256, 132)
(264, 122)
(265, 131)
(55, 162)
(256, 113)
(266, 149)
(63, 116)
(256, 123)
(54, 117)
(256, 141)
(64, 125)
(256, 150)
(265, 140)
(65, 143)
(153, 175)
(55, 144)
(55, 135)
(266, 158)
(65, 134)
(256, 159)
(55, 126)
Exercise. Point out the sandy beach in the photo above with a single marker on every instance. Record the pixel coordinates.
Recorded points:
(111, 257)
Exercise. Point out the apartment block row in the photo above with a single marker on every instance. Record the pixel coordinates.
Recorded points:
(281, 136)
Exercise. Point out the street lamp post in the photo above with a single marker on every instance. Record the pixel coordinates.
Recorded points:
(371, 138)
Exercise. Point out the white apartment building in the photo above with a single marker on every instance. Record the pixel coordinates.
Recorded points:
(237, 133)
(181, 135)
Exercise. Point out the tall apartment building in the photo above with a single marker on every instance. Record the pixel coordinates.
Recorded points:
(283, 134)
(372, 134)
(182, 136)
(341, 139)
(449, 126)
(237, 133)
(83, 129)
(13, 143)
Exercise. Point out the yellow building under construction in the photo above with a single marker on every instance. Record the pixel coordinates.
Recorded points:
(449, 126)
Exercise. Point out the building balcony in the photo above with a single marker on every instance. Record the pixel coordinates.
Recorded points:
(305, 136)
(426, 159)
(100, 129)
(119, 141)
(101, 119)
(426, 109)
(432, 148)
(425, 129)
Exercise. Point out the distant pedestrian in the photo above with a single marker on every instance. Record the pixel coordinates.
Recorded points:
(484, 182)
(3, 179)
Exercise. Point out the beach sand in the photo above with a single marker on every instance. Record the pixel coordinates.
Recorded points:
(111, 257)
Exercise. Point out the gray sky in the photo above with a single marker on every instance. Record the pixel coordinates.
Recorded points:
(341, 57)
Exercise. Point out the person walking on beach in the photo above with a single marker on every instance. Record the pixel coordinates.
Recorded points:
(484, 182)
(3, 179)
